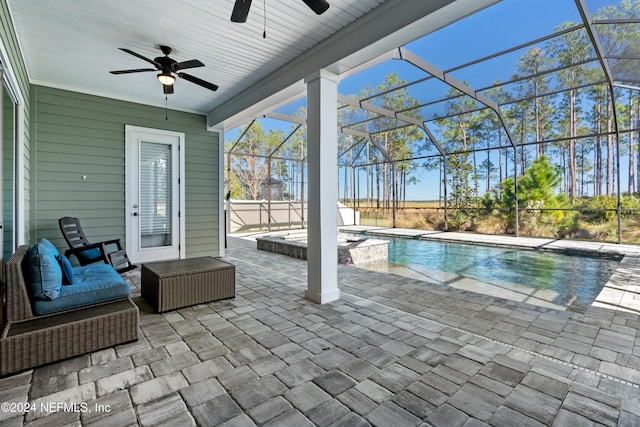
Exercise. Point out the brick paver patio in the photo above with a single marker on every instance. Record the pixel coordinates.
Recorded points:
(391, 352)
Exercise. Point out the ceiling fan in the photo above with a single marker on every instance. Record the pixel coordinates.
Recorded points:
(169, 68)
(241, 8)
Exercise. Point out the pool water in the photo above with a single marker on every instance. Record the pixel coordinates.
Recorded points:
(570, 281)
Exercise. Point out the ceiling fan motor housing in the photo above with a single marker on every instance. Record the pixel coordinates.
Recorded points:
(166, 63)
(168, 67)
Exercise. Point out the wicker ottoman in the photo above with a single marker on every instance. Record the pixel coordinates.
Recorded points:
(168, 285)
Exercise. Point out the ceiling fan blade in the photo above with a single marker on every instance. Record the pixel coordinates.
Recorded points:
(167, 89)
(240, 11)
(318, 6)
(198, 81)
(151, 61)
(138, 70)
(193, 63)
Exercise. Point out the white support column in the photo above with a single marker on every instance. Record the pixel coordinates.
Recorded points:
(223, 214)
(322, 155)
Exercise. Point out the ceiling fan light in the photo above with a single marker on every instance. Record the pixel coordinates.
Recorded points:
(318, 6)
(166, 78)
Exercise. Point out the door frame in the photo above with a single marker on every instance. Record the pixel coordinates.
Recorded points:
(10, 81)
(129, 183)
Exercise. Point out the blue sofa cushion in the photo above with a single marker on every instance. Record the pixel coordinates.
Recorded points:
(46, 274)
(92, 284)
(67, 269)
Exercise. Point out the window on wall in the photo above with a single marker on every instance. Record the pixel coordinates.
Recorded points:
(155, 194)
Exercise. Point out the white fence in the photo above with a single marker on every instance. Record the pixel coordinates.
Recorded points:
(251, 215)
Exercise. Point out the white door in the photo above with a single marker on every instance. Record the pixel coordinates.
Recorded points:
(154, 172)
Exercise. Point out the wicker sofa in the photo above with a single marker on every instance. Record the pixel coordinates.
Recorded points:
(29, 340)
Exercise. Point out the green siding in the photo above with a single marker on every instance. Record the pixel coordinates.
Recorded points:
(78, 134)
(67, 135)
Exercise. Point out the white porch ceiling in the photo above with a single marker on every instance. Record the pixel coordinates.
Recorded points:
(72, 44)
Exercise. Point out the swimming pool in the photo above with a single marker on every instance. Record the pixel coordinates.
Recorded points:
(551, 279)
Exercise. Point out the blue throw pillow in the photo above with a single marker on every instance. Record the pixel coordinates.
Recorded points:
(67, 269)
(93, 253)
(47, 246)
(46, 274)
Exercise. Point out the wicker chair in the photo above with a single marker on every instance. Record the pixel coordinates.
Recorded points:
(88, 253)
(29, 340)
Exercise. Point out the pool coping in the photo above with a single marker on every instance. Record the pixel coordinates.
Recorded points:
(620, 293)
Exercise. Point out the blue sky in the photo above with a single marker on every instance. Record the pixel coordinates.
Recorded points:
(502, 26)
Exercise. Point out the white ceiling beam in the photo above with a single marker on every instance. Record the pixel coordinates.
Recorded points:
(390, 25)
(285, 118)
(391, 114)
(420, 63)
(368, 136)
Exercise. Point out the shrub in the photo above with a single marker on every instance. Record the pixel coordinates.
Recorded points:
(600, 209)
(488, 203)
(604, 208)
